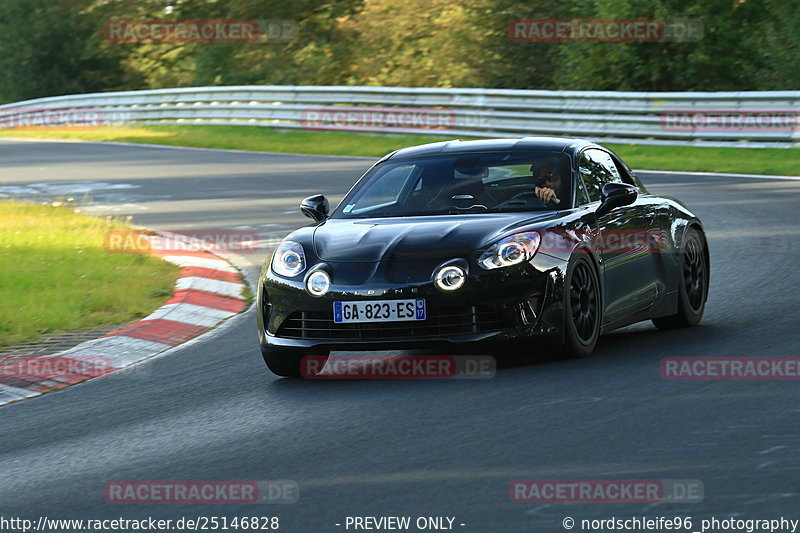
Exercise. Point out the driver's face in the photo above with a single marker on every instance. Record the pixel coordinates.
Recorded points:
(549, 177)
(553, 180)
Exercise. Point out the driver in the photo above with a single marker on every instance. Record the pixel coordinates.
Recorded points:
(547, 174)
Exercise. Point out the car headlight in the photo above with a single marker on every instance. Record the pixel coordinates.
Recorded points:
(510, 251)
(289, 259)
(450, 278)
(318, 283)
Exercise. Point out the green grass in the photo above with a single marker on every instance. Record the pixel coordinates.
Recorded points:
(244, 138)
(55, 274)
(775, 161)
(737, 160)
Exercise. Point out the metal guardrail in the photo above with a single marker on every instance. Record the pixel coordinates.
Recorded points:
(744, 119)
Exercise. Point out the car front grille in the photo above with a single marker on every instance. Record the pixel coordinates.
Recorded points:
(442, 321)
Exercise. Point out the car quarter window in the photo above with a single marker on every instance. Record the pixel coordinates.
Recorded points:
(596, 169)
(623, 170)
(581, 197)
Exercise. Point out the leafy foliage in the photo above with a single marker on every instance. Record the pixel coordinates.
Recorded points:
(58, 46)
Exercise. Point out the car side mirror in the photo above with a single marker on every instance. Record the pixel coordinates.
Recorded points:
(616, 195)
(315, 207)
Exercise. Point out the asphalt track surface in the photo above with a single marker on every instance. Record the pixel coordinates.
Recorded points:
(211, 410)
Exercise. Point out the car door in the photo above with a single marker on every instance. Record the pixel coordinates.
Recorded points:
(630, 269)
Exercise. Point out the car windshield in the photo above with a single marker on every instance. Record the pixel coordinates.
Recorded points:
(464, 183)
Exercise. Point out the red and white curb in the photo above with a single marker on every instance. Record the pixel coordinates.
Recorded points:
(208, 291)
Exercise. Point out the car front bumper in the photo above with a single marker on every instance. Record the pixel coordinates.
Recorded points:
(495, 306)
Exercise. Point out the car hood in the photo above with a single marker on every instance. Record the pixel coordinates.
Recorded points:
(415, 238)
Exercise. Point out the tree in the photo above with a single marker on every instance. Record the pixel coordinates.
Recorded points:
(52, 48)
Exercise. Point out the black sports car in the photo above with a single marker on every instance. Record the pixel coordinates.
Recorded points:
(550, 241)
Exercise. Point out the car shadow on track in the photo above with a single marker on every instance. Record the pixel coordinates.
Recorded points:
(639, 342)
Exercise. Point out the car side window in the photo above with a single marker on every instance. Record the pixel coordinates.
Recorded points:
(597, 168)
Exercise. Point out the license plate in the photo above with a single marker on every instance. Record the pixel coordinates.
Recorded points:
(379, 311)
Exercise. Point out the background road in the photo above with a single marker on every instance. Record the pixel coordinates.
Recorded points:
(212, 411)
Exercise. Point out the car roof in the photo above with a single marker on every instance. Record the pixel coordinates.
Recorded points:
(523, 144)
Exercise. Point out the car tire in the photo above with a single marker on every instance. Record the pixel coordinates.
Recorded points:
(693, 290)
(289, 363)
(582, 308)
